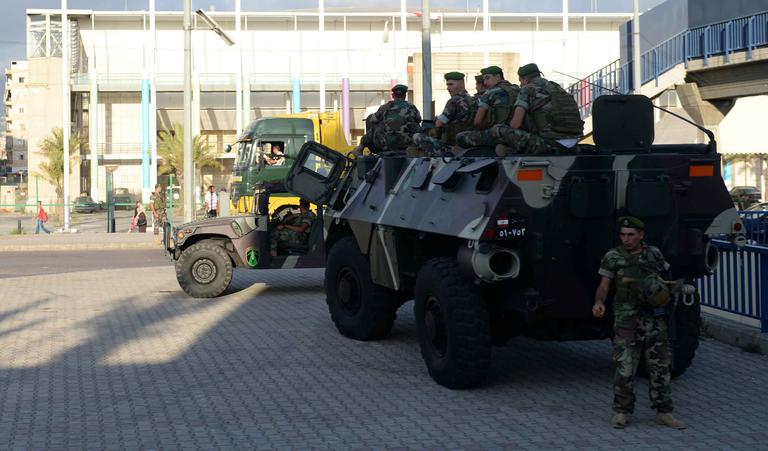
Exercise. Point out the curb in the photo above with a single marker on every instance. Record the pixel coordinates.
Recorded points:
(77, 247)
(748, 339)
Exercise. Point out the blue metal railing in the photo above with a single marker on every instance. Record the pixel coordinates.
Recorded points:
(723, 38)
(740, 283)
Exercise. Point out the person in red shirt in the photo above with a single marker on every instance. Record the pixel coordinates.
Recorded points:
(40, 219)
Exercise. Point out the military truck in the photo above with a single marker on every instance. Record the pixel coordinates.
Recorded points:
(491, 248)
(289, 132)
(205, 252)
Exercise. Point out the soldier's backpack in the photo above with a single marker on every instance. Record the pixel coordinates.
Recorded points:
(563, 115)
(650, 291)
(501, 114)
(398, 127)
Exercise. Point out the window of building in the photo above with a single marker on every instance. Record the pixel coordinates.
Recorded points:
(22, 79)
(38, 36)
(21, 156)
(21, 109)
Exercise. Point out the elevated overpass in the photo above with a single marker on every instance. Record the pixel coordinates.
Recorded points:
(708, 66)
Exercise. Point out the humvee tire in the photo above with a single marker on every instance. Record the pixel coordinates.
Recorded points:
(687, 332)
(453, 325)
(360, 309)
(204, 270)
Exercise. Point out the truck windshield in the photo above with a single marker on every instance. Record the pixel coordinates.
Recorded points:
(244, 153)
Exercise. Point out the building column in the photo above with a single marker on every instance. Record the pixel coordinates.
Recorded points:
(93, 132)
(246, 118)
(345, 109)
(145, 134)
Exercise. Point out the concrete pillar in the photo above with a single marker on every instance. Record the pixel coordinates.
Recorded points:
(145, 134)
(702, 111)
(93, 132)
(345, 109)
(296, 96)
(195, 105)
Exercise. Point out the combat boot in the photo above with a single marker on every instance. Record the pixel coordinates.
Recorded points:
(619, 420)
(667, 419)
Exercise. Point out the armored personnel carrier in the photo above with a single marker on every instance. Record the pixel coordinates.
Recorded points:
(490, 248)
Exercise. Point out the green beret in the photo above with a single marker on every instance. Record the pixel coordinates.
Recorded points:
(528, 70)
(632, 222)
(454, 76)
(479, 78)
(491, 70)
(400, 89)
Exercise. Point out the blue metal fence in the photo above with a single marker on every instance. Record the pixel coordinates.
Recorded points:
(724, 38)
(740, 283)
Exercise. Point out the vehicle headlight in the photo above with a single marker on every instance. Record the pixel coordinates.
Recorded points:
(180, 235)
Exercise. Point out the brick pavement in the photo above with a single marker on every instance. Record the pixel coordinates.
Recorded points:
(123, 359)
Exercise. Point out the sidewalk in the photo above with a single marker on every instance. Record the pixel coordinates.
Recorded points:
(724, 330)
(77, 241)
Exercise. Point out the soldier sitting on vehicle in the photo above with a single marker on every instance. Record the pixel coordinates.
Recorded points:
(291, 230)
(391, 128)
(479, 87)
(546, 118)
(457, 116)
(494, 107)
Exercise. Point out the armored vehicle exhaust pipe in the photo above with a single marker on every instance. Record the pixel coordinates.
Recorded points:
(711, 258)
(490, 264)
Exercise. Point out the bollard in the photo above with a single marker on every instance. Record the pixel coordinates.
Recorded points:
(18, 226)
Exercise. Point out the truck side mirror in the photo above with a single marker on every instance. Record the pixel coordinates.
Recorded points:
(228, 148)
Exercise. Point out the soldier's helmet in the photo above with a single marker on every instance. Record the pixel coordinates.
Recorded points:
(651, 291)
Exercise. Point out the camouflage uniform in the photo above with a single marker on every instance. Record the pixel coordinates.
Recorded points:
(498, 102)
(637, 331)
(286, 237)
(457, 116)
(158, 201)
(538, 134)
(391, 127)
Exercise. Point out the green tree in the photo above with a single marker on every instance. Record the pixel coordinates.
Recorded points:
(170, 148)
(52, 148)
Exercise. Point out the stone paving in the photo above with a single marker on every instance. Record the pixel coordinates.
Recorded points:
(122, 359)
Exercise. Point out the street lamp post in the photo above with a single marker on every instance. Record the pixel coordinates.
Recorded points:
(426, 60)
(189, 168)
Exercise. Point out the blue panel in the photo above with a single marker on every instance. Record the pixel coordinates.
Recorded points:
(296, 99)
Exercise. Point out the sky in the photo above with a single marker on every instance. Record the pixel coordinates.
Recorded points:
(12, 19)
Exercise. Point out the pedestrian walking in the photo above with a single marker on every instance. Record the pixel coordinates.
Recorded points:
(40, 219)
(211, 202)
(640, 323)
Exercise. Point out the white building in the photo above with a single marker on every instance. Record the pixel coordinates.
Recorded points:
(16, 107)
(282, 62)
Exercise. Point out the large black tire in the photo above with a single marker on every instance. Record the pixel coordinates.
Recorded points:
(204, 269)
(453, 325)
(687, 324)
(360, 309)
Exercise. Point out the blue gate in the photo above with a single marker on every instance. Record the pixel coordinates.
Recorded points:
(740, 283)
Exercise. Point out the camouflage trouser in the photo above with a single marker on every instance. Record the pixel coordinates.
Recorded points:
(383, 141)
(428, 144)
(285, 237)
(641, 336)
(520, 141)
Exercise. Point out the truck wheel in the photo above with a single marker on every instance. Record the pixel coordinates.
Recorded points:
(453, 325)
(687, 332)
(204, 270)
(360, 309)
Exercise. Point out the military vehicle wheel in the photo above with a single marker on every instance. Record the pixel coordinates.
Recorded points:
(453, 325)
(687, 332)
(360, 309)
(204, 270)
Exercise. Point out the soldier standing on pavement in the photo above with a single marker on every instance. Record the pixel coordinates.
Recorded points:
(391, 128)
(494, 107)
(546, 118)
(158, 208)
(457, 116)
(640, 332)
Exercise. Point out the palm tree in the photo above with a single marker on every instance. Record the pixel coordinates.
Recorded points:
(171, 149)
(52, 147)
